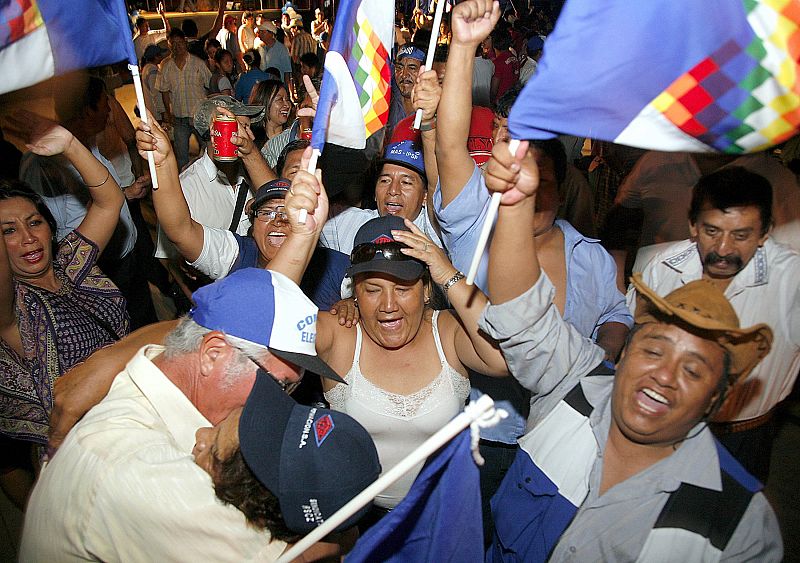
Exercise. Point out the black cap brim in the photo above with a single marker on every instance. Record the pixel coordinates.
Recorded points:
(406, 270)
(314, 364)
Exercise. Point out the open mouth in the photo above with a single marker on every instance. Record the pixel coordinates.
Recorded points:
(391, 324)
(393, 208)
(276, 238)
(652, 401)
(33, 256)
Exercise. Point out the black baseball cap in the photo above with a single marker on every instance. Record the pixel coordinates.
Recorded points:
(313, 460)
(274, 189)
(378, 231)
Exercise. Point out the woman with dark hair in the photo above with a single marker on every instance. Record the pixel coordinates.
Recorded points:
(252, 75)
(56, 306)
(274, 96)
(222, 79)
(211, 48)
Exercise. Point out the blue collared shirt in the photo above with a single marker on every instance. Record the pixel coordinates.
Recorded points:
(592, 297)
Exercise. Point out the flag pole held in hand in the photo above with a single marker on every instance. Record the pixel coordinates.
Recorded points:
(437, 20)
(488, 223)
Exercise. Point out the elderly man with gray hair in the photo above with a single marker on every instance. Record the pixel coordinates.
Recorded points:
(124, 486)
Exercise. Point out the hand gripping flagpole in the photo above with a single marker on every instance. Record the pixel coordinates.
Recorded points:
(488, 223)
(437, 20)
(480, 413)
(137, 85)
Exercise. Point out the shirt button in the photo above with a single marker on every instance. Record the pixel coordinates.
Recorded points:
(527, 479)
(572, 549)
(519, 485)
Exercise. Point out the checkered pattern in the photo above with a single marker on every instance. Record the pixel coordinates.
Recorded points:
(745, 96)
(17, 19)
(369, 66)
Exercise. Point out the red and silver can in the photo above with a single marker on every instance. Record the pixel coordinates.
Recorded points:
(222, 128)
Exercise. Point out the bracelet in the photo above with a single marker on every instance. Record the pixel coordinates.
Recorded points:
(430, 126)
(108, 175)
(457, 277)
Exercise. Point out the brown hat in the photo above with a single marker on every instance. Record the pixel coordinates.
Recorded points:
(702, 309)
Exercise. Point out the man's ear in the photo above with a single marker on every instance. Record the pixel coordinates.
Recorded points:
(214, 350)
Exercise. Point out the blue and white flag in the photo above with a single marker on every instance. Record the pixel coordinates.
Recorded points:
(356, 86)
(40, 39)
(670, 75)
(438, 520)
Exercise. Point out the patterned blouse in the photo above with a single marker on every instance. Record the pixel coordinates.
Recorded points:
(58, 330)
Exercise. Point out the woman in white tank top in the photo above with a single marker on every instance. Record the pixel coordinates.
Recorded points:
(405, 364)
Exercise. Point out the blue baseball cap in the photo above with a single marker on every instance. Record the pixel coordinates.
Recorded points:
(535, 43)
(407, 154)
(313, 460)
(265, 308)
(411, 50)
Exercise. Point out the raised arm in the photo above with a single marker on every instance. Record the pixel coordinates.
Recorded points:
(85, 385)
(169, 202)
(471, 22)
(307, 193)
(47, 138)
(425, 96)
(217, 25)
(163, 13)
(254, 162)
(473, 348)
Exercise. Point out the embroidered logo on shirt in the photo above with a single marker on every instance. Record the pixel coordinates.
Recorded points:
(323, 428)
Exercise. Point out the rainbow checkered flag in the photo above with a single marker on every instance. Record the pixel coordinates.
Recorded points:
(670, 75)
(40, 39)
(354, 98)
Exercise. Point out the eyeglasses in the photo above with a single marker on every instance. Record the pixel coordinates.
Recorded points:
(267, 215)
(287, 387)
(389, 250)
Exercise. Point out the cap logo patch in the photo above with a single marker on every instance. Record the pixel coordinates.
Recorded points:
(307, 428)
(382, 239)
(312, 513)
(323, 428)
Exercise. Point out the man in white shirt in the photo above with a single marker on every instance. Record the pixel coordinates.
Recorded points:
(401, 189)
(146, 36)
(730, 216)
(124, 486)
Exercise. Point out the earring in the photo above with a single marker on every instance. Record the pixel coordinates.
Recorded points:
(355, 302)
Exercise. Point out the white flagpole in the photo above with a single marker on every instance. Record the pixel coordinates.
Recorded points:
(437, 20)
(488, 223)
(476, 410)
(137, 85)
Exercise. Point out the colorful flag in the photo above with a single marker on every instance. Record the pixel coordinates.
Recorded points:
(354, 98)
(440, 518)
(671, 75)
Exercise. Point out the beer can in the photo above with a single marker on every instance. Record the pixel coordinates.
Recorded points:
(222, 128)
(305, 133)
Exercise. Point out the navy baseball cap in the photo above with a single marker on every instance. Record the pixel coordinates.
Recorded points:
(410, 50)
(407, 154)
(378, 232)
(313, 460)
(274, 189)
(266, 308)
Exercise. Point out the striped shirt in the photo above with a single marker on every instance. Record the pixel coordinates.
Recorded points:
(187, 86)
(303, 43)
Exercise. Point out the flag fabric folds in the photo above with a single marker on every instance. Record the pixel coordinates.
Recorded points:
(40, 39)
(440, 518)
(356, 86)
(671, 75)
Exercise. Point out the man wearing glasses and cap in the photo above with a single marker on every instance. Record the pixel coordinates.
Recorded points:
(618, 464)
(123, 486)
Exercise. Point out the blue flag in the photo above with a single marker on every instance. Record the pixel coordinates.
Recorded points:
(40, 39)
(670, 75)
(440, 518)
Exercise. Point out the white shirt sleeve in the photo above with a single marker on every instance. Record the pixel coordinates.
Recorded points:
(219, 253)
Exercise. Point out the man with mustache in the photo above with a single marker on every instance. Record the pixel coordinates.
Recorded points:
(410, 59)
(730, 217)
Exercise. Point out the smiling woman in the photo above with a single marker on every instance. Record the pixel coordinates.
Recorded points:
(56, 306)
(405, 364)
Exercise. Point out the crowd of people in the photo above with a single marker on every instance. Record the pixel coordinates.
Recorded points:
(635, 312)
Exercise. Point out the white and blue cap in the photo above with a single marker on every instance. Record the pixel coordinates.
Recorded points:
(410, 50)
(407, 154)
(265, 308)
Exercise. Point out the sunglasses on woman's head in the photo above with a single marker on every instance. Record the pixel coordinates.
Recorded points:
(389, 250)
